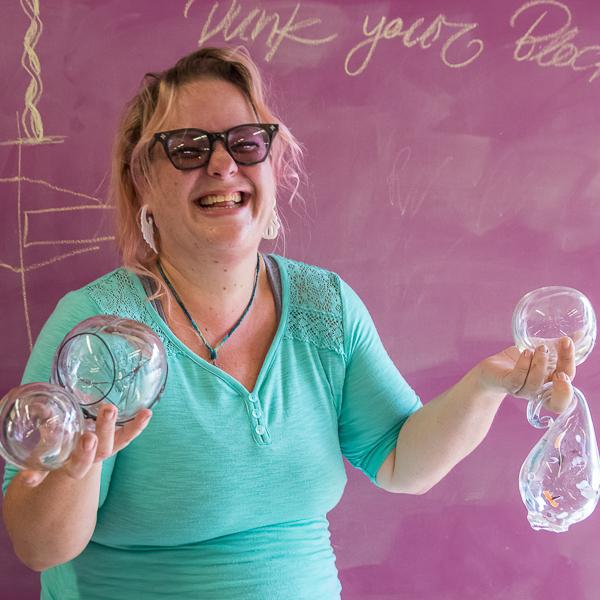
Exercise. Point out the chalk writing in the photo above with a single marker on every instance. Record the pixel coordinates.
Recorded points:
(397, 28)
(410, 198)
(399, 165)
(31, 119)
(30, 132)
(23, 217)
(55, 211)
(252, 25)
(554, 49)
(56, 188)
(31, 116)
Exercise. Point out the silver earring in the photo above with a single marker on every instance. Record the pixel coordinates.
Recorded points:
(273, 227)
(147, 227)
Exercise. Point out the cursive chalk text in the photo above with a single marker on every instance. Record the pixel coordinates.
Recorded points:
(416, 33)
(555, 49)
(252, 25)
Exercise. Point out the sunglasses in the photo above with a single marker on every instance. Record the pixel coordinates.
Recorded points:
(247, 144)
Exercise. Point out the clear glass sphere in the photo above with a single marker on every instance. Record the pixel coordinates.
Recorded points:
(40, 424)
(545, 315)
(107, 359)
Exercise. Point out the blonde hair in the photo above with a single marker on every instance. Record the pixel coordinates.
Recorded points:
(146, 113)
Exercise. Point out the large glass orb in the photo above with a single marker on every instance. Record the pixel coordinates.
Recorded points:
(40, 424)
(545, 315)
(107, 359)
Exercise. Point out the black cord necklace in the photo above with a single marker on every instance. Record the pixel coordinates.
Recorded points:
(212, 349)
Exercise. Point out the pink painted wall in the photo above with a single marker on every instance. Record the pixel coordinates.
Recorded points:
(441, 192)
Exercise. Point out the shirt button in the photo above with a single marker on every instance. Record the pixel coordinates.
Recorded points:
(256, 413)
(260, 429)
(252, 399)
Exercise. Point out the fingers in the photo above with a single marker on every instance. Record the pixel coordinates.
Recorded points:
(107, 439)
(565, 361)
(93, 446)
(562, 393)
(82, 457)
(538, 372)
(532, 370)
(79, 463)
(516, 378)
(529, 373)
(130, 430)
(105, 430)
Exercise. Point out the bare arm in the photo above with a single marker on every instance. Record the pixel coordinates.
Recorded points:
(50, 517)
(438, 436)
(53, 522)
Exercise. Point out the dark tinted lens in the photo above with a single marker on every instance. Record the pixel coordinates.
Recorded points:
(248, 144)
(189, 149)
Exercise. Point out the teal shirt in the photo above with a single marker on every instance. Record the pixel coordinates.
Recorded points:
(225, 494)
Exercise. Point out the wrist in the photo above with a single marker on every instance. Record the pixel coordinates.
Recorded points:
(484, 386)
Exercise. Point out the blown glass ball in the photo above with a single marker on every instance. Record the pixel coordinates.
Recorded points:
(545, 315)
(40, 424)
(107, 359)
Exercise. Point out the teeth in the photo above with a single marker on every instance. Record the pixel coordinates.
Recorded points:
(217, 199)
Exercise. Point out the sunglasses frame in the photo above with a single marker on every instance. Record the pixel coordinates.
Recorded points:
(162, 137)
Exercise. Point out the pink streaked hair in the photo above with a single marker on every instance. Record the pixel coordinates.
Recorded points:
(146, 113)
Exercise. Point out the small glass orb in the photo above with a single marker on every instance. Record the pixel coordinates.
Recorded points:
(545, 315)
(108, 359)
(40, 424)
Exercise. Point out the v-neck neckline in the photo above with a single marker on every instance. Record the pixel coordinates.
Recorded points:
(229, 379)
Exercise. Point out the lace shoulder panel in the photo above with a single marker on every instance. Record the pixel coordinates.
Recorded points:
(115, 294)
(315, 306)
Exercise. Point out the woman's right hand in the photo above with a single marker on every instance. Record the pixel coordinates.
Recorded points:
(94, 447)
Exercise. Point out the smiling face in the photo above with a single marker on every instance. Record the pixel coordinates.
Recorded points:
(221, 207)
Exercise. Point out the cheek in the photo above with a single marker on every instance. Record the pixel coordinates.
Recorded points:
(267, 186)
(166, 199)
(171, 189)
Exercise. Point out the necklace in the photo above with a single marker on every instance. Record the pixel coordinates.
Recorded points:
(211, 349)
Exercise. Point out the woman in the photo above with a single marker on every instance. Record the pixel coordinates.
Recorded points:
(275, 373)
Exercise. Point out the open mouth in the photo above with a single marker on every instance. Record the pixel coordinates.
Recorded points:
(221, 201)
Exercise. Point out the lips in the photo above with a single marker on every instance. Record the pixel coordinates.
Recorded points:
(228, 200)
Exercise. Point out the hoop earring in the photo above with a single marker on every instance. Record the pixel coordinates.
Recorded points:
(147, 227)
(273, 227)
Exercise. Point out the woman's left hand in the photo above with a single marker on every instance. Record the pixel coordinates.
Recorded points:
(523, 374)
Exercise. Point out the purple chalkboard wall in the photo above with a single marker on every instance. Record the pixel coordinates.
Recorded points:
(453, 154)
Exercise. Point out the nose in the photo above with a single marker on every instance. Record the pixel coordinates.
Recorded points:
(221, 164)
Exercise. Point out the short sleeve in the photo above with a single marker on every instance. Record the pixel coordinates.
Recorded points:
(376, 399)
(71, 310)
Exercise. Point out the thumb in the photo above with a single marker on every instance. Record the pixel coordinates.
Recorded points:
(32, 478)
(515, 380)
